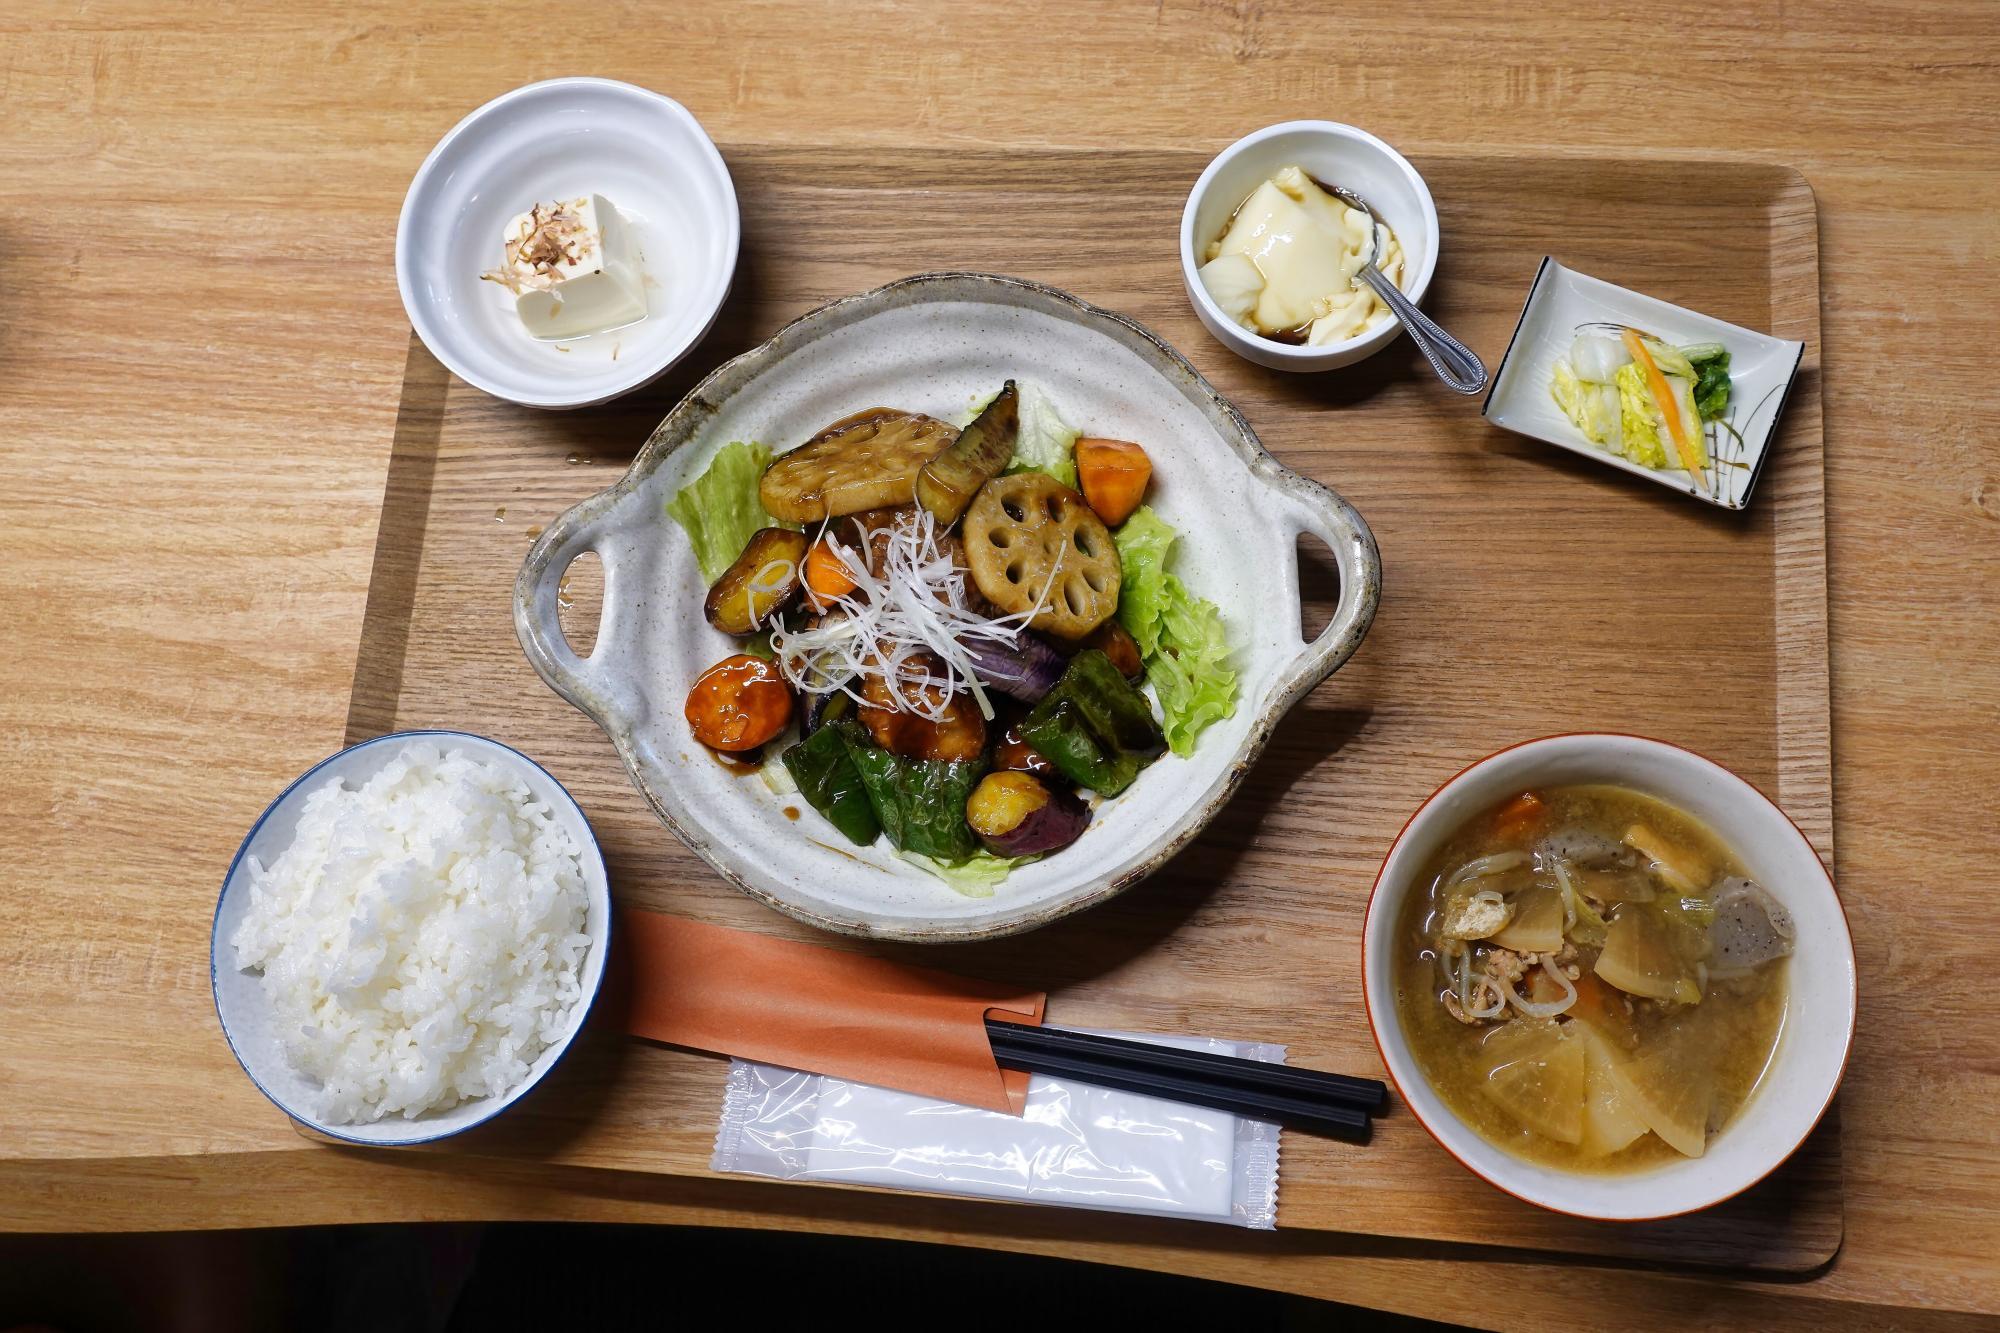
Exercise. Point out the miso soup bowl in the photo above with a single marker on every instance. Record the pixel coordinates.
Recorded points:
(1811, 1055)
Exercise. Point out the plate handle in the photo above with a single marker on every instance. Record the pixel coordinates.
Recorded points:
(1309, 507)
(537, 607)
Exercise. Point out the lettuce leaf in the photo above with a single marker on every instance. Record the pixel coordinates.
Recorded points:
(1144, 542)
(1180, 636)
(1190, 674)
(720, 509)
(1046, 442)
(975, 877)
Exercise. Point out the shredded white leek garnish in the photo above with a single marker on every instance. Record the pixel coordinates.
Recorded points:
(770, 579)
(887, 626)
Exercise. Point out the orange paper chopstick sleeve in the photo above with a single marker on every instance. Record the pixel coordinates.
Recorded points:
(734, 992)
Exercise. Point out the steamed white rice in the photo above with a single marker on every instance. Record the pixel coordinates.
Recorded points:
(421, 938)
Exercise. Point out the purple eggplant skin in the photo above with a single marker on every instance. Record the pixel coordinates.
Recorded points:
(1016, 814)
(819, 709)
(1026, 671)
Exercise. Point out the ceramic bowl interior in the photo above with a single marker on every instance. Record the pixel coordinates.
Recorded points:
(1339, 155)
(557, 140)
(935, 343)
(240, 1003)
(1819, 1022)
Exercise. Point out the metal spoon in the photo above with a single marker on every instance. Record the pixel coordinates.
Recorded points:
(1453, 361)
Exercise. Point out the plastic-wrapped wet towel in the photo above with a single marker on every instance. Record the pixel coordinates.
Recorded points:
(1075, 1144)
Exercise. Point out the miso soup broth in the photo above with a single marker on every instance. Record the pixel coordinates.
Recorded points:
(1590, 979)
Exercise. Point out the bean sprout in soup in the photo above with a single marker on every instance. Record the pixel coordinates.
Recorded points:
(1590, 979)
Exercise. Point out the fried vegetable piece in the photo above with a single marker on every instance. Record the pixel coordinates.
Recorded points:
(920, 803)
(1095, 727)
(831, 784)
(1116, 642)
(1113, 475)
(867, 461)
(981, 453)
(762, 581)
(1029, 532)
(826, 575)
(823, 710)
(1013, 753)
(1015, 815)
(739, 704)
(958, 736)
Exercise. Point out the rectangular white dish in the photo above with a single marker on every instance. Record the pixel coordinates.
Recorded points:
(1761, 370)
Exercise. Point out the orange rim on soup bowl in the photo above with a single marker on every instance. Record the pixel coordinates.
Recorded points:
(1806, 1067)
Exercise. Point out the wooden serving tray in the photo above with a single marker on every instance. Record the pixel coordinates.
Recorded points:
(1527, 591)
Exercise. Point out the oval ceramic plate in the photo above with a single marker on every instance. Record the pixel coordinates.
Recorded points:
(935, 343)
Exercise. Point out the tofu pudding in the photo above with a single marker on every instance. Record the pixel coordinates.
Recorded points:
(1284, 266)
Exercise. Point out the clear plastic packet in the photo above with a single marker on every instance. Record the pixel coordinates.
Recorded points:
(1075, 1145)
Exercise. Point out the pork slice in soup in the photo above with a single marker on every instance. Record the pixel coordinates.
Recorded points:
(1590, 978)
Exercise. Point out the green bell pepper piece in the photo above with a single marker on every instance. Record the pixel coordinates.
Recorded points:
(832, 785)
(1095, 726)
(920, 802)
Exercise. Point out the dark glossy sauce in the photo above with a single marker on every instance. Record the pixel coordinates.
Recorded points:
(749, 761)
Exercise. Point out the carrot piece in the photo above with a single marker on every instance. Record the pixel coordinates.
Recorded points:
(1113, 475)
(826, 574)
(1520, 817)
(1678, 430)
(739, 703)
(1593, 1004)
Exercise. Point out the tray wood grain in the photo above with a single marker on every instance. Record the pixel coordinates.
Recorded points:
(1526, 593)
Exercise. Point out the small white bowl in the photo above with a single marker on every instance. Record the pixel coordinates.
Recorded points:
(240, 1003)
(1812, 1049)
(558, 140)
(1339, 155)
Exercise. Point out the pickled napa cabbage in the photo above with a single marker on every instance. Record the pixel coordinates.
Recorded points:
(1592, 407)
(1607, 396)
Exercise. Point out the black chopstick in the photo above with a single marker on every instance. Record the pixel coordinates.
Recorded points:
(1292, 1112)
(1366, 1094)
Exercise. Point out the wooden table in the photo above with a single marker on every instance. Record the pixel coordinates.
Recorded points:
(201, 358)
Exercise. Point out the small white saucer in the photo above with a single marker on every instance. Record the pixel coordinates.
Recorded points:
(558, 140)
(1761, 371)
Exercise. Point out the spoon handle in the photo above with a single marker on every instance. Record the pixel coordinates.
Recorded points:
(1453, 361)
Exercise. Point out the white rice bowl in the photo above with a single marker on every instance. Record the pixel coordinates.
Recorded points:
(422, 937)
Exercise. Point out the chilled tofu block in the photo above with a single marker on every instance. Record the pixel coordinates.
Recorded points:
(573, 268)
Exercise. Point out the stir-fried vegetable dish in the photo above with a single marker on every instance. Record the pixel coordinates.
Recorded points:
(958, 639)
(1591, 981)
